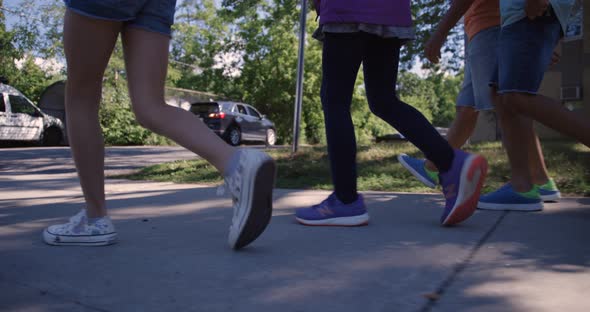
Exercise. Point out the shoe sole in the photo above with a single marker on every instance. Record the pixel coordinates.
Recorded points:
(510, 207)
(415, 173)
(551, 198)
(258, 207)
(78, 240)
(359, 220)
(471, 182)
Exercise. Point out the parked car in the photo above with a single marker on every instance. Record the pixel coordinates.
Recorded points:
(236, 122)
(21, 120)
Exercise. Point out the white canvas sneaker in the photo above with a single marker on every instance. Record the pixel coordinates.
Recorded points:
(250, 187)
(78, 232)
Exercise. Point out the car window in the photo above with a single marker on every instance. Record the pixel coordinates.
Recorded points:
(2, 105)
(252, 112)
(227, 107)
(20, 105)
(204, 108)
(241, 109)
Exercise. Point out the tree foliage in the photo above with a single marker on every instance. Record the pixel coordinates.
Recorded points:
(242, 50)
(426, 15)
(22, 47)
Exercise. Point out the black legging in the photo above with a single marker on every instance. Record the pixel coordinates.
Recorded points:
(342, 56)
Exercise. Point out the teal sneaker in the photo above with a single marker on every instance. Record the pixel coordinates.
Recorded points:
(506, 198)
(549, 191)
(418, 169)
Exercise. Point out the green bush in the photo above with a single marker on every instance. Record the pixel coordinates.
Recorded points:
(120, 127)
(118, 122)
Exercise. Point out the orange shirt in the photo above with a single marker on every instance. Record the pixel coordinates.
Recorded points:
(481, 15)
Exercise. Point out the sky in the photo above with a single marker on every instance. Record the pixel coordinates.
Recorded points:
(10, 18)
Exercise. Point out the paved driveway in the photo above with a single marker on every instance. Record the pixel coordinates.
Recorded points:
(52, 160)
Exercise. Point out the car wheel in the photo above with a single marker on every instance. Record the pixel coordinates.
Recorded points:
(234, 136)
(271, 137)
(51, 137)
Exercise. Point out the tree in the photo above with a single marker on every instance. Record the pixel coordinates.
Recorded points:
(8, 52)
(266, 38)
(243, 50)
(199, 47)
(447, 89)
(427, 14)
(418, 92)
(20, 48)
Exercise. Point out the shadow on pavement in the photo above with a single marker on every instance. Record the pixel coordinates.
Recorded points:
(173, 256)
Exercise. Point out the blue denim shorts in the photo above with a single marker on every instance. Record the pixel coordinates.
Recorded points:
(151, 15)
(481, 57)
(524, 54)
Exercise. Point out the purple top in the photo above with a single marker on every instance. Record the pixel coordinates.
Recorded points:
(379, 12)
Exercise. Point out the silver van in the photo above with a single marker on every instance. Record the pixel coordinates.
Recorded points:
(21, 120)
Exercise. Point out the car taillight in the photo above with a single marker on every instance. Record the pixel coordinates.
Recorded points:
(217, 115)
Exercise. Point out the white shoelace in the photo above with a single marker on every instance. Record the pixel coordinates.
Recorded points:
(232, 184)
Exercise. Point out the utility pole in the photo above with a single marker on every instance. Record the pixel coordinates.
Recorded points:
(300, 63)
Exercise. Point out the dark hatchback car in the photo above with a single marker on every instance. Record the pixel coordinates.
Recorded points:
(236, 122)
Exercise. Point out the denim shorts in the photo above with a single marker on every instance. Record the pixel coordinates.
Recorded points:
(151, 15)
(481, 57)
(524, 54)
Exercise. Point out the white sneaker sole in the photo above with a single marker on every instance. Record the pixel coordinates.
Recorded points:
(255, 210)
(342, 221)
(510, 207)
(79, 240)
(414, 172)
(552, 197)
(472, 177)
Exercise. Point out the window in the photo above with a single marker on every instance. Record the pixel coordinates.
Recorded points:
(204, 108)
(227, 107)
(575, 25)
(252, 112)
(241, 109)
(2, 105)
(20, 105)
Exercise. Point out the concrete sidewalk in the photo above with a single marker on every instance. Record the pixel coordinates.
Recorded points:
(173, 255)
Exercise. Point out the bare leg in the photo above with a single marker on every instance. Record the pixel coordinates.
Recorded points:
(538, 170)
(552, 114)
(88, 44)
(518, 136)
(460, 130)
(146, 60)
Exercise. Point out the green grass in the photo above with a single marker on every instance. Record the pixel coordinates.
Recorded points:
(379, 170)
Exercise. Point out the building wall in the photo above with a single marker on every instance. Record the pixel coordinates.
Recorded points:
(550, 87)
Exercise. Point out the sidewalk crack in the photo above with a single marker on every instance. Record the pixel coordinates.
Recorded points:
(460, 267)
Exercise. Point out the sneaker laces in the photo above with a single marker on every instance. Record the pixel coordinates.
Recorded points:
(233, 184)
(75, 223)
(450, 191)
(325, 202)
(77, 218)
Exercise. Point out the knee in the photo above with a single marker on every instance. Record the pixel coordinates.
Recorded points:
(511, 102)
(465, 112)
(382, 110)
(85, 88)
(145, 118)
(502, 104)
